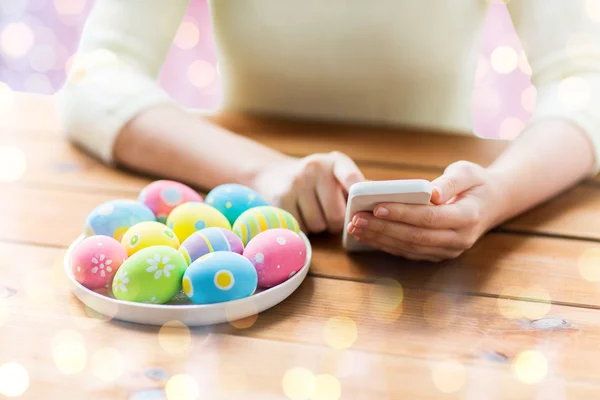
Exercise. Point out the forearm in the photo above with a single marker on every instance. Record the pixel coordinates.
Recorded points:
(167, 142)
(548, 158)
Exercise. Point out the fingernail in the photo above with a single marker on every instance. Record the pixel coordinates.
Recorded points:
(361, 222)
(382, 212)
(358, 231)
(350, 228)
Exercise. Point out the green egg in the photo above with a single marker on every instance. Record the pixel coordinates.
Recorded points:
(152, 275)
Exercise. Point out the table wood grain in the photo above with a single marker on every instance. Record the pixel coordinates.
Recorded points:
(513, 318)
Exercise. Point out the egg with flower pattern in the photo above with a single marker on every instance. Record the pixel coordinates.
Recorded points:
(151, 275)
(259, 219)
(115, 217)
(95, 261)
(209, 240)
(192, 217)
(218, 277)
(147, 234)
(163, 196)
(233, 199)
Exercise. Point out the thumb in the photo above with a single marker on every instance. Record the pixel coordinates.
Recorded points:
(457, 178)
(346, 171)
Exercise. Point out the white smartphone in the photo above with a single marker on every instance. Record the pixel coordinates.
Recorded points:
(364, 196)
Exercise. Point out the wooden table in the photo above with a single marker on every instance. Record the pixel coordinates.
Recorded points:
(513, 318)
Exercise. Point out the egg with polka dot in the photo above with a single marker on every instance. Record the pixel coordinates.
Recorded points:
(192, 217)
(209, 240)
(115, 217)
(233, 199)
(163, 196)
(218, 277)
(147, 234)
(152, 275)
(259, 219)
(277, 255)
(95, 261)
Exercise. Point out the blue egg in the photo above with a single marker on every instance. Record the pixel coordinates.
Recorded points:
(115, 217)
(218, 277)
(232, 200)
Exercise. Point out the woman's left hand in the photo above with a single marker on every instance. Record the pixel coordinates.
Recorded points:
(468, 201)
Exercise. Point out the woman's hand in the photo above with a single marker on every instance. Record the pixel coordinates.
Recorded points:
(467, 202)
(313, 189)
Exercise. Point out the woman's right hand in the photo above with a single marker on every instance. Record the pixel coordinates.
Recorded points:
(313, 188)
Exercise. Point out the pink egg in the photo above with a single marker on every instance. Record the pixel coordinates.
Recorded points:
(96, 260)
(163, 196)
(277, 255)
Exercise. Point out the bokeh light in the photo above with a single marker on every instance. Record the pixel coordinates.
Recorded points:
(182, 387)
(69, 7)
(504, 59)
(244, 323)
(38, 83)
(574, 93)
(524, 64)
(16, 39)
(42, 58)
(12, 163)
(483, 68)
(108, 364)
(528, 98)
(68, 352)
(340, 332)
(448, 376)
(386, 299)
(510, 128)
(592, 9)
(589, 265)
(232, 310)
(174, 337)
(14, 379)
(187, 35)
(201, 73)
(327, 387)
(530, 366)
(299, 383)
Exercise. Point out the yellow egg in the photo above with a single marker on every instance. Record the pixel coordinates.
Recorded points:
(259, 219)
(192, 217)
(147, 234)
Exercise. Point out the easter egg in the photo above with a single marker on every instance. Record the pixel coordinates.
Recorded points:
(218, 277)
(277, 255)
(209, 240)
(192, 217)
(95, 261)
(163, 196)
(115, 217)
(259, 219)
(233, 199)
(152, 275)
(146, 234)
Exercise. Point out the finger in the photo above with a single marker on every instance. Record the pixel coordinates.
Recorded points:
(422, 252)
(399, 252)
(445, 216)
(333, 203)
(346, 171)
(457, 178)
(407, 233)
(310, 210)
(289, 203)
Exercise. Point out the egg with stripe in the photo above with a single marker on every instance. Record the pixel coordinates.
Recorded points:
(147, 234)
(188, 218)
(163, 196)
(259, 219)
(233, 199)
(218, 277)
(115, 217)
(209, 240)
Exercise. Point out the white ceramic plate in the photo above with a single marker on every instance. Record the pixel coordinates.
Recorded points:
(181, 308)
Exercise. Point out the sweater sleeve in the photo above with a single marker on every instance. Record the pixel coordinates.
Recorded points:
(113, 76)
(562, 43)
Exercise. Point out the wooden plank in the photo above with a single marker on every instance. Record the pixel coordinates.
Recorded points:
(425, 328)
(40, 216)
